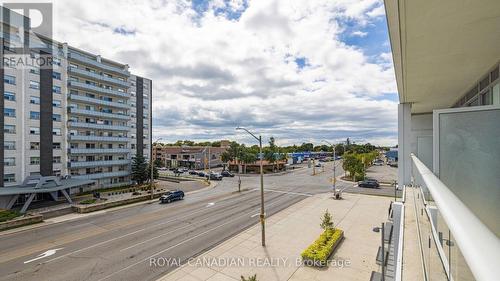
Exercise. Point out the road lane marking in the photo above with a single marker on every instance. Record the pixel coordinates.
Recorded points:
(180, 243)
(210, 204)
(45, 254)
(258, 214)
(287, 192)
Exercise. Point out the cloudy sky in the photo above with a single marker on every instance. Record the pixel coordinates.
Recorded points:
(298, 70)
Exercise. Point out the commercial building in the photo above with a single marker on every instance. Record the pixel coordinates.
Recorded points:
(446, 58)
(192, 157)
(84, 118)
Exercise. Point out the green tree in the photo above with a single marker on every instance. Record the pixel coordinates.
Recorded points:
(271, 151)
(225, 157)
(139, 169)
(248, 158)
(326, 221)
(156, 174)
(353, 164)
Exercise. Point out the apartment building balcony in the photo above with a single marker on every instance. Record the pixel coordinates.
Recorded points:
(88, 164)
(102, 175)
(98, 138)
(97, 76)
(99, 114)
(98, 126)
(98, 101)
(99, 150)
(95, 63)
(97, 89)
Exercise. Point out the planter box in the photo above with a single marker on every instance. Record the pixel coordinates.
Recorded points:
(21, 221)
(323, 263)
(101, 206)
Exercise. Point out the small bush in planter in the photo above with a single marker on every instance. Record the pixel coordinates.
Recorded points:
(250, 278)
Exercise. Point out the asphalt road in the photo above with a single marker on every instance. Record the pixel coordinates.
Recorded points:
(119, 245)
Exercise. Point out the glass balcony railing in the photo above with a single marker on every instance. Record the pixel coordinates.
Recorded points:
(98, 126)
(466, 247)
(98, 138)
(99, 114)
(99, 150)
(102, 175)
(86, 164)
(99, 77)
(95, 63)
(97, 89)
(98, 101)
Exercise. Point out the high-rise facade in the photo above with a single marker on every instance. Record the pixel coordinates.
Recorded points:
(84, 117)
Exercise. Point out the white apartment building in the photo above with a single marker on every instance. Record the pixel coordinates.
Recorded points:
(85, 118)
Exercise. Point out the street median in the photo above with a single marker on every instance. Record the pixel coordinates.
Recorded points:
(87, 208)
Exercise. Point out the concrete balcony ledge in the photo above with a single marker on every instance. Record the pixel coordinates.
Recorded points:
(97, 89)
(99, 114)
(95, 63)
(98, 150)
(98, 126)
(102, 175)
(98, 101)
(84, 164)
(100, 77)
(98, 138)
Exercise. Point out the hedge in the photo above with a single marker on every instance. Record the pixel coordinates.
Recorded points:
(318, 252)
(8, 215)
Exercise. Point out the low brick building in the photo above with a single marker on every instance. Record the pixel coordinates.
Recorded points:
(192, 157)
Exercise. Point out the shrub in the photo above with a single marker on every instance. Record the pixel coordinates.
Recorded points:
(318, 252)
(326, 222)
(250, 278)
(88, 201)
(8, 215)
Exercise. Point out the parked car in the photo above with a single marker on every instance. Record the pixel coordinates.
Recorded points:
(193, 172)
(227, 174)
(214, 176)
(318, 165)
(201, 174)
(171, 196)
(378, 163)
(162, 169)
(370, 183)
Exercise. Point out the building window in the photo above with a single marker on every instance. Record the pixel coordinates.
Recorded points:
(34, 115)
(56, 103)
(34, 100)
(9, 178)
(9, 112)
(9, 161)
(34, 160)
(56, 117)
(56, 145)
(56, 173)
(9, 96)
(9, 145)
(34, 85)
(9, 129)
(56, 159)
(56, 89)
(56, 132)
(56, 61)
(56, 75)
(34, 145)
(35, 70)
(8, 79)
(34, 131)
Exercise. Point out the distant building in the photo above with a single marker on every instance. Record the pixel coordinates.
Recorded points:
(192, 157)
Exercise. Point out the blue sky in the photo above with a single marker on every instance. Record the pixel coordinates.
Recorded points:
(296, 70)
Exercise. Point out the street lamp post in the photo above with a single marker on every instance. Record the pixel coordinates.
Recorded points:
(151, 162)
(262, 213)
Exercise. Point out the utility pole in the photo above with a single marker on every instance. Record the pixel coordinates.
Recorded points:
(262, 211)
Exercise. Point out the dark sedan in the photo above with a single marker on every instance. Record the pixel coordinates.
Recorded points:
(227, 174)
(369, 183)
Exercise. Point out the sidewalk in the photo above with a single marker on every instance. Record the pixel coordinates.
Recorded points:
(288, 234)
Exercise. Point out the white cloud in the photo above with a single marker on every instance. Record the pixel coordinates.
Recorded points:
(359, 33)
(211, 73)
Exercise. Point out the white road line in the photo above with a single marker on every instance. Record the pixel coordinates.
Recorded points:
(287, 192)
(210, 204)
(45, 254)
(178, 244)
(166, 233)
(125, 235)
